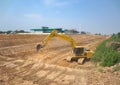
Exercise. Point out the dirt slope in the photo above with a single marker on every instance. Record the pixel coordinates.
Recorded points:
(20, 64)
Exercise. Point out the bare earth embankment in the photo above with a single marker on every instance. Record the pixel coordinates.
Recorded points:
(20, 64)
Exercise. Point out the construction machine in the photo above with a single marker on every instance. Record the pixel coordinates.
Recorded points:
(79, 53)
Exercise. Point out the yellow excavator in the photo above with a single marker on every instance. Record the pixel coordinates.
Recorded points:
(79, 53)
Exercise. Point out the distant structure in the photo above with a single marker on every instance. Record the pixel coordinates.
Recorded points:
(46, 30)
(71, 31)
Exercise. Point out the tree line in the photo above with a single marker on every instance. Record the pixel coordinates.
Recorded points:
(13, 32)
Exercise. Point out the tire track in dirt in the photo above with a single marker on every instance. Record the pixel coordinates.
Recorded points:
(42, 74)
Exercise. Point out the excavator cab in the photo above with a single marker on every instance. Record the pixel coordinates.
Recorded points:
(78, 51)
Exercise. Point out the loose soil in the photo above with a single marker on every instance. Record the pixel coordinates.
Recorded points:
(21, 64)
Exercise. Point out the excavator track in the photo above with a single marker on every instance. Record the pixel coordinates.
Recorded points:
(75, 59)
(81, 60)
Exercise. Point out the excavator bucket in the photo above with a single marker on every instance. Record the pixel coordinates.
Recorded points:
(38, 47)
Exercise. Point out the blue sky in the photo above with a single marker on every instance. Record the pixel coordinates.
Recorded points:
(95, 16)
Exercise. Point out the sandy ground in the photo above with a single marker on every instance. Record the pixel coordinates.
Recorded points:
(20, 64)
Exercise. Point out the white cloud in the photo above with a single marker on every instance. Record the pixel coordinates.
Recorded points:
(57, 3)
(48, 2)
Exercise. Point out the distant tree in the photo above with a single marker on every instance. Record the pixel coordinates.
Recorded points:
(9, 31)
(71, 31)
(2, 32)
(118, 34)
(98, 34)
(21, 31)
(83, 32)
(16, 31)
(74, 31)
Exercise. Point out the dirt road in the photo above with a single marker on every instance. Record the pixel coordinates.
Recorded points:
(20, 64)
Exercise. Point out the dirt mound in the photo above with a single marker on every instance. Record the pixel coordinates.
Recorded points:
(13, 40)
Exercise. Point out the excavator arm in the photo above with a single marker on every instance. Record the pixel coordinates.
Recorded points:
(55, 34)
(67, 38)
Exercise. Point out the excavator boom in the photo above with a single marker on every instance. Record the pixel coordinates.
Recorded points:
(55, 34)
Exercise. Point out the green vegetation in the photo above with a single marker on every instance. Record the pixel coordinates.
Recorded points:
(115, 37)
(107, 54)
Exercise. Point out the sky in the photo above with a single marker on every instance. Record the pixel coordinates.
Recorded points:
(95, 16)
